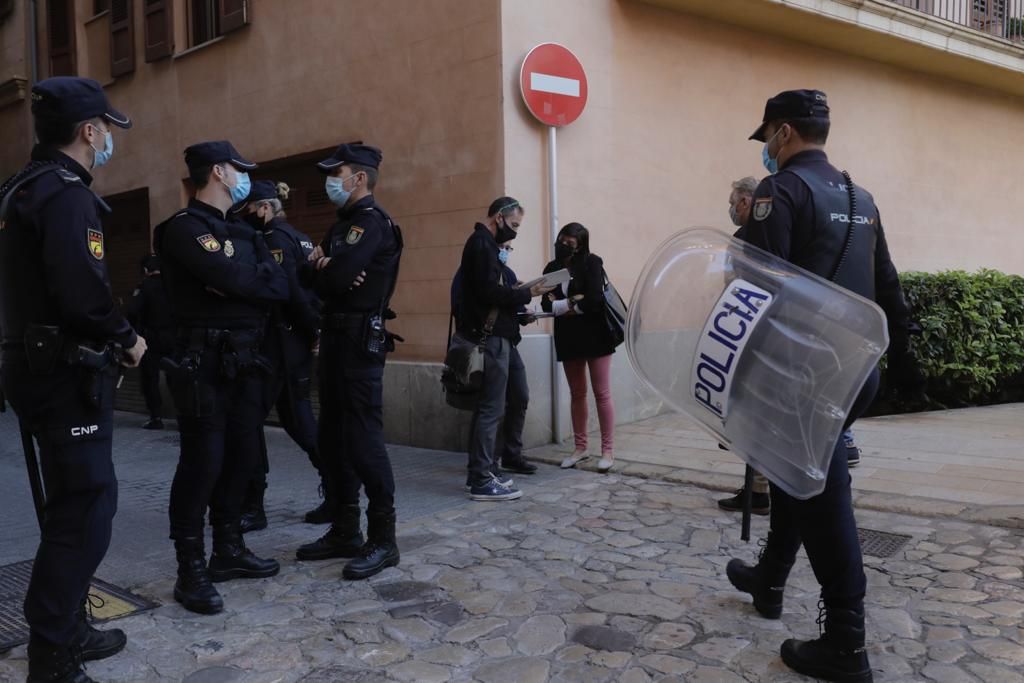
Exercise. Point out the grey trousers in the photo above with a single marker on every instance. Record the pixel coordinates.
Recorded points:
(505, 396)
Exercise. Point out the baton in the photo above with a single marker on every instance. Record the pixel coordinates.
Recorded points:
(748, 496)
(34, 479)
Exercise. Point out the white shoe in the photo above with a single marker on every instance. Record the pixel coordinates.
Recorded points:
(605, 464)
(572, 460)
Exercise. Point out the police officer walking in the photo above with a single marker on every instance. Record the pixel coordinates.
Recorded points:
(364, 244)
(812, 215)
(290, 337)
(221, 280)
(63, 339)
(149, 311)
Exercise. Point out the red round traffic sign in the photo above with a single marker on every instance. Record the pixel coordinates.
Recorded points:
(553, 84)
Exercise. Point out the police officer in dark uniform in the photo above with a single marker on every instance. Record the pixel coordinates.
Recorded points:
(63, 339)
(812, 215)
(221, 280)
(288, 346)
(364, 244)
(149, 310)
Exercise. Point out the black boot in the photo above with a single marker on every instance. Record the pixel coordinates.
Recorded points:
(323, 513)
(380, 551)
(838, 655)
(765, 582)
(49, 663)
(254, 517)
(193, 589)
(93, 643)
(232, 560)
(343, 539)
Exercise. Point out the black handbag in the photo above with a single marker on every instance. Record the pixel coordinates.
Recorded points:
(463, 373)
(614, 312)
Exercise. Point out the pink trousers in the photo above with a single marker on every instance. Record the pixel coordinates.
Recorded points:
(600, 377)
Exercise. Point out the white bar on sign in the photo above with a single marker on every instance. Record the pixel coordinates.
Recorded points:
(554, 84)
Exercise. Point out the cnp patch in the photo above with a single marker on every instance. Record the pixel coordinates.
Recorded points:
(278, 255)
(762, 208)
(208, 242)
(355, 233)
(95, 239)
(229, 248)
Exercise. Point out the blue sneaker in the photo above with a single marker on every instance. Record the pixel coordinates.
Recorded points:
(494, 490)
(852, 450)
(507, 482)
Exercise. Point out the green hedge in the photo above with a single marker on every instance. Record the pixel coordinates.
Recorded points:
(971, 348)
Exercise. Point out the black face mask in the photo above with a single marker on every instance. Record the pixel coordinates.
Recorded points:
(504, 234)
(255, 221)
(563, 251)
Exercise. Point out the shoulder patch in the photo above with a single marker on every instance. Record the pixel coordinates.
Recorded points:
(208, 242)
(95, 240)
(762, 208)
(278, 255)
(67, 176)
(355, 233)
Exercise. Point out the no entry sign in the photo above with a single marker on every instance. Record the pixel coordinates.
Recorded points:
(554, 84)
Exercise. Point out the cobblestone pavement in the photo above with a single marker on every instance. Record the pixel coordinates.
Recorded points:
(586, 579)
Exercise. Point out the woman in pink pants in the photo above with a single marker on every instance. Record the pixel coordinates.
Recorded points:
(582, 339)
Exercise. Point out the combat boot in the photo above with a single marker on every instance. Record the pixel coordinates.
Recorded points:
(48, 663)
(343, 539)
(232, 560)
(838, 655)
(194, 590)
(254, 517)
(324, 512)
(765, 582)
(93, 643)
(380, 551)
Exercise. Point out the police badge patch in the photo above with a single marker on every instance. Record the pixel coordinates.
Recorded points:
(95, 239)
(278, 255)
(229, 248)
(355, 234)
(762, 208)
(208, 242)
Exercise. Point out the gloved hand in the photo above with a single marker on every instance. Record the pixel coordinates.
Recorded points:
(904, 373)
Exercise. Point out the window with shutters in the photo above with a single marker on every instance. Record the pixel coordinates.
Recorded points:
(209, 19)
(122, 37)
(158, 27)
(60, 33)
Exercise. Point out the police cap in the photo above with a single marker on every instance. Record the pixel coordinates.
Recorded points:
(262, 190)
(352, 153)
(71, 99)
(204, 154)
(793, 104)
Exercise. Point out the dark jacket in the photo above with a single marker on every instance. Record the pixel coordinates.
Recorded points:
(291, 249)
(149, 311)
(509, 278)
(581, 336)
(483, 289)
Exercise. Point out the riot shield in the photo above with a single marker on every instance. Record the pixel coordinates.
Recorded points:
(764, 355)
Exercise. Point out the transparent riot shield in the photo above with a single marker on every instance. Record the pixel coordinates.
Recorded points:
(766, 356)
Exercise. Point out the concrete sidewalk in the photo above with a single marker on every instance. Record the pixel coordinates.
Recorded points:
(965, 463)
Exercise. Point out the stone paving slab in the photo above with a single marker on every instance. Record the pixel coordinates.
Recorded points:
(585, 579)
(965, 463)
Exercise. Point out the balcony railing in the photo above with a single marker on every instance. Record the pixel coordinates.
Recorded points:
(998, 18)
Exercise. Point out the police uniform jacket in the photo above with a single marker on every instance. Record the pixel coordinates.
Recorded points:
(149, 310)
(363, 239)
(483, 289)
(52, 258)
(801, 214)
(217, 271)
(291, 249)
(581, 336)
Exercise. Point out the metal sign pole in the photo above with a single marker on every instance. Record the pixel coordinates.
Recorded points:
(556, 408)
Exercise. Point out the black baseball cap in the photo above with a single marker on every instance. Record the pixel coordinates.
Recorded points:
(216, 152)
(71, 99)
(352, 153)
(262, 190)
(793, 104)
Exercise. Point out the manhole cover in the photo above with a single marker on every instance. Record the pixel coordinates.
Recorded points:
(108, 602)
(880, 543)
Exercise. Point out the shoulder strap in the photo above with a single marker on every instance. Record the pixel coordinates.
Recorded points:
(852, 191)
(15, 182)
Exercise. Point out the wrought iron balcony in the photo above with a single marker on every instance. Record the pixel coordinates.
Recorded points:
(998, 18)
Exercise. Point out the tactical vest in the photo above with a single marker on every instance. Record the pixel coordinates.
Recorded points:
(824, 249)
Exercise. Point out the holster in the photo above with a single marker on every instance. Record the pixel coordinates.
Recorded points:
(47, 345)
(192, 396)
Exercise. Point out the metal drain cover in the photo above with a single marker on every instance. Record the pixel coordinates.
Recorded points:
(108, 602)
(880, 543)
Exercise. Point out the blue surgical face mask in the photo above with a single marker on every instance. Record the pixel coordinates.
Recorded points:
(240, 190)
(102, 156)
(336, 191)
(503, 256)
(770, 164)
